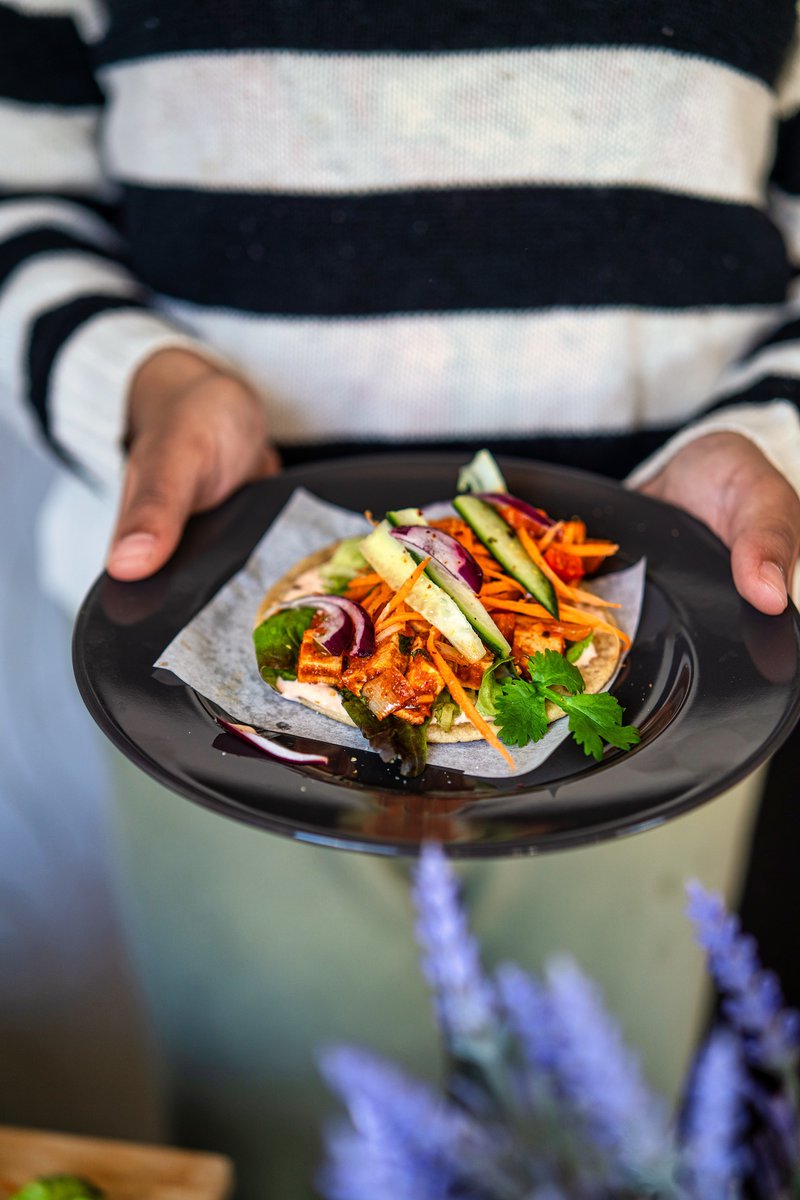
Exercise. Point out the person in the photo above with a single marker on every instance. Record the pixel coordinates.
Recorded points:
(245, 235)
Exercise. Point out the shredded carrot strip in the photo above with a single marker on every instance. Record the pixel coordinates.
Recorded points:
(585, 618)
(501, 585)
(465, 704)
(528, 609)
(369, 580)
(573, 531)
(590, 549)
(379, 597)
(549, 534)
(562, 589)
(402, 591)
(452, 655)
(493, 572)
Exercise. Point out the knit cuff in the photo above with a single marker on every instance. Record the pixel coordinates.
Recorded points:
(91, 380)
(773, 427)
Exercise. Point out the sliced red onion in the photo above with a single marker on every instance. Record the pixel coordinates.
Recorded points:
(347, 627)
(444, 549)
(275, 749)
(502, 500)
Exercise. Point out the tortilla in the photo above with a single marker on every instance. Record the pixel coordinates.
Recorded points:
(596, 673)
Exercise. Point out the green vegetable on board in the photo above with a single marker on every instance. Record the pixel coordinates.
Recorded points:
(59, 1187)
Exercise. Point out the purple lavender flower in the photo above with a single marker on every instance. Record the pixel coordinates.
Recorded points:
(464, 999)
(406, 1143)
(529, 1012)
(712, 1150)
(602, 1080)
(752, 996)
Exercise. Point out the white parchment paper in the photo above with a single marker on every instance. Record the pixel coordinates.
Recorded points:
(214, 653)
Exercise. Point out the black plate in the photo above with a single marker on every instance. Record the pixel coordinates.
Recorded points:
(712, 684)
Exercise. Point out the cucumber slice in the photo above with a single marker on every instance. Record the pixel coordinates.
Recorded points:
(394, 564)
(406, 516)
(464, 597)
(501, 541)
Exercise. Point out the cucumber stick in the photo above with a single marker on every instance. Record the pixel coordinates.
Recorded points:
(503, 544)
(394, 564)
(464, 597)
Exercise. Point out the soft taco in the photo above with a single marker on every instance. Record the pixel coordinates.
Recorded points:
(418, 632)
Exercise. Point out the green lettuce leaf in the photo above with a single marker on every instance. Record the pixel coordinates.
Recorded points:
(277, 643)
(345, 563)
(391, 738)
(445, 710)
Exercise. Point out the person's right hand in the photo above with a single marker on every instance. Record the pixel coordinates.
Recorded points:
(195, 435)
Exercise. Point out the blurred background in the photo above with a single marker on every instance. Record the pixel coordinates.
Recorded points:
(74, 1054)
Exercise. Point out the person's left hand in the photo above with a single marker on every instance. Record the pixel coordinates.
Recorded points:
(725, 481)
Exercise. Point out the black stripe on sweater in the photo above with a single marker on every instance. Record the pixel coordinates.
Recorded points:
(618, 453)
(452, 250)
(48, 334)
(746, 34)
(790, 332)
(19, 249)
(772, 387)
(786, 168)
(44, 61)
(108, 212)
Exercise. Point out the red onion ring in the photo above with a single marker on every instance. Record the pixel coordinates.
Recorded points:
(446, 551)
(346, 627)
(502, 500)
(275, 749)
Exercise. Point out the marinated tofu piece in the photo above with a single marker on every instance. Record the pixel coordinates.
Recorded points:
(414, 714)
(425, 682)
(505, 622)
(471, 675)
(315, 665)
(387, 692)
(531, 637)
(387, 654)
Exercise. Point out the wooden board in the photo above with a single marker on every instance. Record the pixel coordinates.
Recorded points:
(123, 1170)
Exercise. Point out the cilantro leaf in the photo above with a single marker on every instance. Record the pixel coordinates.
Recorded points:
(550, 669)
(597, 718)
(520, 713)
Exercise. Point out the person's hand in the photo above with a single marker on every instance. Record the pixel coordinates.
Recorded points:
(725, 481)
(195, 435)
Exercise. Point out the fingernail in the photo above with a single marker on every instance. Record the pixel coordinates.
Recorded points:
(773, 576)
(135, 550)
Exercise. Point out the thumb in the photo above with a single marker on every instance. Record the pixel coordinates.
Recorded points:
(161, 486)
(764, 535)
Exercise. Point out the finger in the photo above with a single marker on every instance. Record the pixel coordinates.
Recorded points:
(764, 536)
(164, 478)
(269, 464)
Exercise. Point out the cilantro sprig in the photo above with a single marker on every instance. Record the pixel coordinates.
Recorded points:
(521, 716)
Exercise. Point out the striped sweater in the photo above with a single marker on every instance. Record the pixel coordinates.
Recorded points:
(566, 227)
